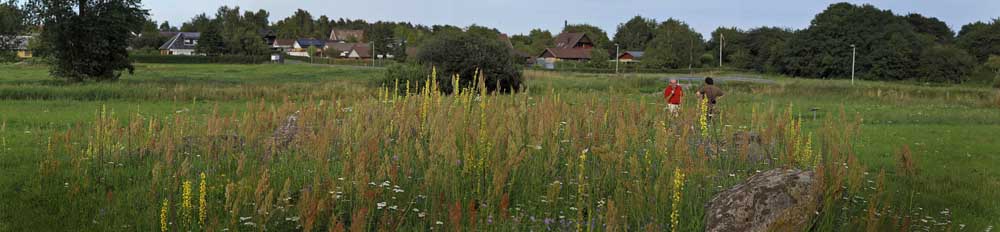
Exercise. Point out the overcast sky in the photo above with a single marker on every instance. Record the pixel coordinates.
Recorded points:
(520, 16)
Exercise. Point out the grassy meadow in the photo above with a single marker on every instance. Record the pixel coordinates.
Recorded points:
(322, 148)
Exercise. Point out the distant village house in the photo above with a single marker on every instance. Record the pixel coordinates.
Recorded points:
(630, 56)
(340, 50)
(19, 44)
(347, 36)
(183, 43)
(301, 47)
(569, 46)
(283, 45)
(360, 52)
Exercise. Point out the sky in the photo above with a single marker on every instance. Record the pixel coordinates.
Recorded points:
(521, 16)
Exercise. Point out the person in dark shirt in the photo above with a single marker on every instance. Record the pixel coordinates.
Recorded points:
(712, 93)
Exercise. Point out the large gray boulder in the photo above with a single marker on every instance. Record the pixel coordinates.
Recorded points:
(776, 200)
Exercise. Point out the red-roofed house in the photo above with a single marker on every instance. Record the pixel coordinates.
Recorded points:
(569, 46)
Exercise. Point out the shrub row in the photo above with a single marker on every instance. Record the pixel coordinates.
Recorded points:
(224, 59)
(580, 68)
(336, 61)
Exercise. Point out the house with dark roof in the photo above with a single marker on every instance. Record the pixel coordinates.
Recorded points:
(268, 35)
(283, 45)
(573, 40)
(569, 46)
(344, 36)
(558, 54)
(630, 56)
(301, 47)
(340, 50)
(303, 44)
(183, 43)
(168, 34)
(20, 44)
(360, 52)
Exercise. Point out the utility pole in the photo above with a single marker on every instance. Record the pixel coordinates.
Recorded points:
(617, 55)
(690, 54)
(854, 55)
(373, 53)
(722, 39)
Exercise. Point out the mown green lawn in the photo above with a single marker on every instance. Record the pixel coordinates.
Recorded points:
(953, 131)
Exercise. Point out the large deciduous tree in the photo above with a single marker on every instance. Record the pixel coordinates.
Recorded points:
(149, 37)
(534, 42)
(766, 45)
(675, 45)
(240, 33)
(165, 26)
(258, 19)
(888, 48)
(381, 35)
(199, 23)
(733, 43)
(980, 39)
(299, 25)
(931, 27)
(88, 39)
(322, 27)
(211, 42)
(13, 20)
(634, 34)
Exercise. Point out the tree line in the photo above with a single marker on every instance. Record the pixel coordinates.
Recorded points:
(888, 46)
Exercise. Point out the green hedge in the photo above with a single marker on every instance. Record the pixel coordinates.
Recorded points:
(335, 61)
(581, 67)
(225, 59)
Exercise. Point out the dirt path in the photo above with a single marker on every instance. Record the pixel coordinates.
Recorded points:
(722, 79)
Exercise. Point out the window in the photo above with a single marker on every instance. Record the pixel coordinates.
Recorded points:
(190, 41)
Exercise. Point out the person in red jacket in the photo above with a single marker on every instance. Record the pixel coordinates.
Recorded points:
(672, 94)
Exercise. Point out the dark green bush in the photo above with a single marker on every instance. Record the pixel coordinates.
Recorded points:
(463, 54)
(982, 75)
(599, 59)
(414, 74)
(946, 64)
(8, 57)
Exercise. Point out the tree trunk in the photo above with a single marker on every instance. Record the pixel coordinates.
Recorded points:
(82, 5)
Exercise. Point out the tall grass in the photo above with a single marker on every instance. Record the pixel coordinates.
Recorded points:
(466, 162)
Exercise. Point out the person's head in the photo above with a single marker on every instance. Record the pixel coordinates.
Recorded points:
(709, 81)
(673, 81)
